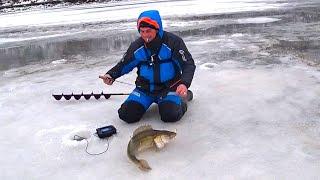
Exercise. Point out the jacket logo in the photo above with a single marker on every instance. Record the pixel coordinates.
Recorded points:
(182, 55)
(136, 93)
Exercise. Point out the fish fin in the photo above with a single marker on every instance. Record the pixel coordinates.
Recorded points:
(143, 165)
(159, 143)
(141, 129)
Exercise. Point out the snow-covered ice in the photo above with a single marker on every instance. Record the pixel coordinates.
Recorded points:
(255, 113)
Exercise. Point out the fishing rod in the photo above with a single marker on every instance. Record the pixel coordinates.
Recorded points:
(86, 96)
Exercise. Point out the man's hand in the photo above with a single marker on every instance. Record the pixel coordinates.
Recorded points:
(182, 90)
(107, 79)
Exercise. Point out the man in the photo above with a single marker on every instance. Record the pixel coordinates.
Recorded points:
(165, 71)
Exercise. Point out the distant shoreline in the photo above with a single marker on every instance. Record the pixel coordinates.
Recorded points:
(30, 4)
(48, 2)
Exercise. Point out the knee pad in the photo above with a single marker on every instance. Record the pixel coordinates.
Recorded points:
(171, 112)
(131, 111)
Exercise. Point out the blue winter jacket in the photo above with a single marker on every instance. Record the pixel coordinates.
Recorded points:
(162, 65)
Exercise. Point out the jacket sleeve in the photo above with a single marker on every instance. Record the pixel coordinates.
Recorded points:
(186, 62)
(125, 65)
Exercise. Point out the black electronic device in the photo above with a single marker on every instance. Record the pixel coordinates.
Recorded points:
(106, 131)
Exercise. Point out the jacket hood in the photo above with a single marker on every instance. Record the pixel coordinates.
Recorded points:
(152, 15)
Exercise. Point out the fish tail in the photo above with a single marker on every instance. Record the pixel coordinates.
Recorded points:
(143, 165)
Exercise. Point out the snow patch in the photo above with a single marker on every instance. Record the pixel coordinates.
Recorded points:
(257, 20)
(45, 132)
(231, 64)
(237, 35)
(60, 61)
(70, 139)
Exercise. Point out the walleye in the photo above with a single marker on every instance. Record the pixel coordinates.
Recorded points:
(144, 138)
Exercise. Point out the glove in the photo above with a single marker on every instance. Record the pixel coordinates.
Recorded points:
(182, 90)
(107, 79)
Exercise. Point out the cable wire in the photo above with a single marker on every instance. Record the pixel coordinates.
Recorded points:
(93, 154)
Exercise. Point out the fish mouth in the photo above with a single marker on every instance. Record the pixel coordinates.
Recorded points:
(168, 137)
(173, 135)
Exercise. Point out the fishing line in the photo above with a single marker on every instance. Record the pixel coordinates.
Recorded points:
(122, 82)
(79, 138)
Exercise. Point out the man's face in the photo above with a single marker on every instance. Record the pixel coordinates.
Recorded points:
(148, 34)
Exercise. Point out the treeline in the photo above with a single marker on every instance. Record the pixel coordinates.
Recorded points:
(25, 3)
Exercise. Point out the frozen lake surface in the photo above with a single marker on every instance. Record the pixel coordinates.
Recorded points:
(255, 113)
